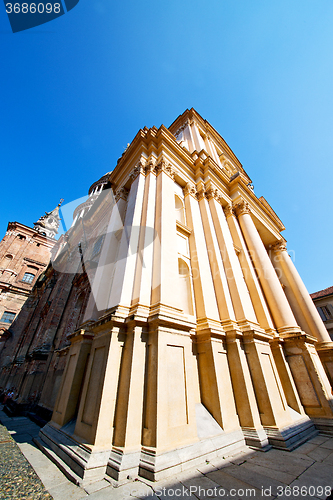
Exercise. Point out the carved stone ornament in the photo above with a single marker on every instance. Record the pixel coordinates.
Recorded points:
(121, 193)
(150, 166)
(166, 167)
(190, 189)
(228, 210)
(279, 246)
(212, 192)
(138, 169)
(201, 194)
(242, 207)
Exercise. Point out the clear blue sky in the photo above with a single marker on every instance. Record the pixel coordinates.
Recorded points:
(76, 90)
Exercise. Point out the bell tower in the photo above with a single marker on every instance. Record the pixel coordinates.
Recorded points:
(48, 224)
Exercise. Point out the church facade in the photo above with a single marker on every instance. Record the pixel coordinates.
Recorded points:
(172, 324)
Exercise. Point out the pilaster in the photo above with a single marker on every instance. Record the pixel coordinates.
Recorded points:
(205, 298)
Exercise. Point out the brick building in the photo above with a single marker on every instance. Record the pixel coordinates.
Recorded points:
(24, 255)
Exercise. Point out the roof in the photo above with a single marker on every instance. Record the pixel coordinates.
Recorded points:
(322, 293)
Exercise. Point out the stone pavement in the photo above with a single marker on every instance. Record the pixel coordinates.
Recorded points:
(305, 473)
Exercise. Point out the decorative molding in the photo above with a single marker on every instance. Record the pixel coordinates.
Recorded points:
(121, 193)
(186, 231)
(242, 208)
(191, 190)
(35, 262)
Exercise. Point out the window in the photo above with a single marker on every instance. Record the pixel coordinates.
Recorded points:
(326, 312)
(21, 237)
(180, 211)
(8, 317)
(28, 277)
(185, 289)
(97, 246)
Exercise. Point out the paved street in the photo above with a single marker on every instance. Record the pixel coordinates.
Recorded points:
(306, 473)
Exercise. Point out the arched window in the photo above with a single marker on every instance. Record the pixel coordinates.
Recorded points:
(185, 290)
(28, 277)
(180, 211)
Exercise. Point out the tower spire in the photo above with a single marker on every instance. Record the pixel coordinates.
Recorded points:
(48, 224)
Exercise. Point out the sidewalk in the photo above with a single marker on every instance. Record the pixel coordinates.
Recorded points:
(305, 473)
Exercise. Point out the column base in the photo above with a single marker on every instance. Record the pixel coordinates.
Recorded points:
(155, 465)
(123, 466)
(324, 425)
(292, 436)
(256, 438)
(78, 462)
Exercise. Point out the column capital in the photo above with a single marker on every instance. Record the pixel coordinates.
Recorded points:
(190, 189)
(228, 210)
(201, 194)
(166, 167)
(151, 166)
(138, 169)
(241, 208)
(121, 193)
(279, 246)
(213, 193)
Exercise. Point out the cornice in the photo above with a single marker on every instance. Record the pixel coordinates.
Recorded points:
(260, 204)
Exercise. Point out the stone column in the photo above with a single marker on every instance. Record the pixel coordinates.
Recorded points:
(238, 290)
(144, 268)
(297, 293)
(302, 305)
(258, 300)
(164, 294)
(220, 282)
(204, 292)
(276, 299)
